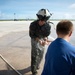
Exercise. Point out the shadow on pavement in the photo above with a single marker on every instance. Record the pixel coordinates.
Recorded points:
(26, 70)
(12, 72)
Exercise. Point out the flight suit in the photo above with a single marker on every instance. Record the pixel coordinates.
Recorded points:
(37, 50)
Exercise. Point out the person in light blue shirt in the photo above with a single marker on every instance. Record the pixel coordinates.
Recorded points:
(60, 56)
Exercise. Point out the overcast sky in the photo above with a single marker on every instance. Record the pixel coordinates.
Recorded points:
(28, 8)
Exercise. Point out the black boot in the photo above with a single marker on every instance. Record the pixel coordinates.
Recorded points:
(35, 73)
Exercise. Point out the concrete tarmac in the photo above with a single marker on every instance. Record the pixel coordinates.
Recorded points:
(15, 47)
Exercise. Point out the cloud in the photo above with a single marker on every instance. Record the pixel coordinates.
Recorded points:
(3, 15)
(72, 6)
(63, 15)
(67, 15)
(0, 14)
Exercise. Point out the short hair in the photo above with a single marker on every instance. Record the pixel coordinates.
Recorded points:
(64, 27)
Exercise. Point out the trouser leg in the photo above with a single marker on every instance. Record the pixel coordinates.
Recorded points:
(34, 57)
(40, 57)
(35, 60)
(33, 64)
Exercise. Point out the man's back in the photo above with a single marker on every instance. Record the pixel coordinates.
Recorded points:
(60, 58)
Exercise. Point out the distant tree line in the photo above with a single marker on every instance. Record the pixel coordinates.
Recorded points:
(32, 19)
